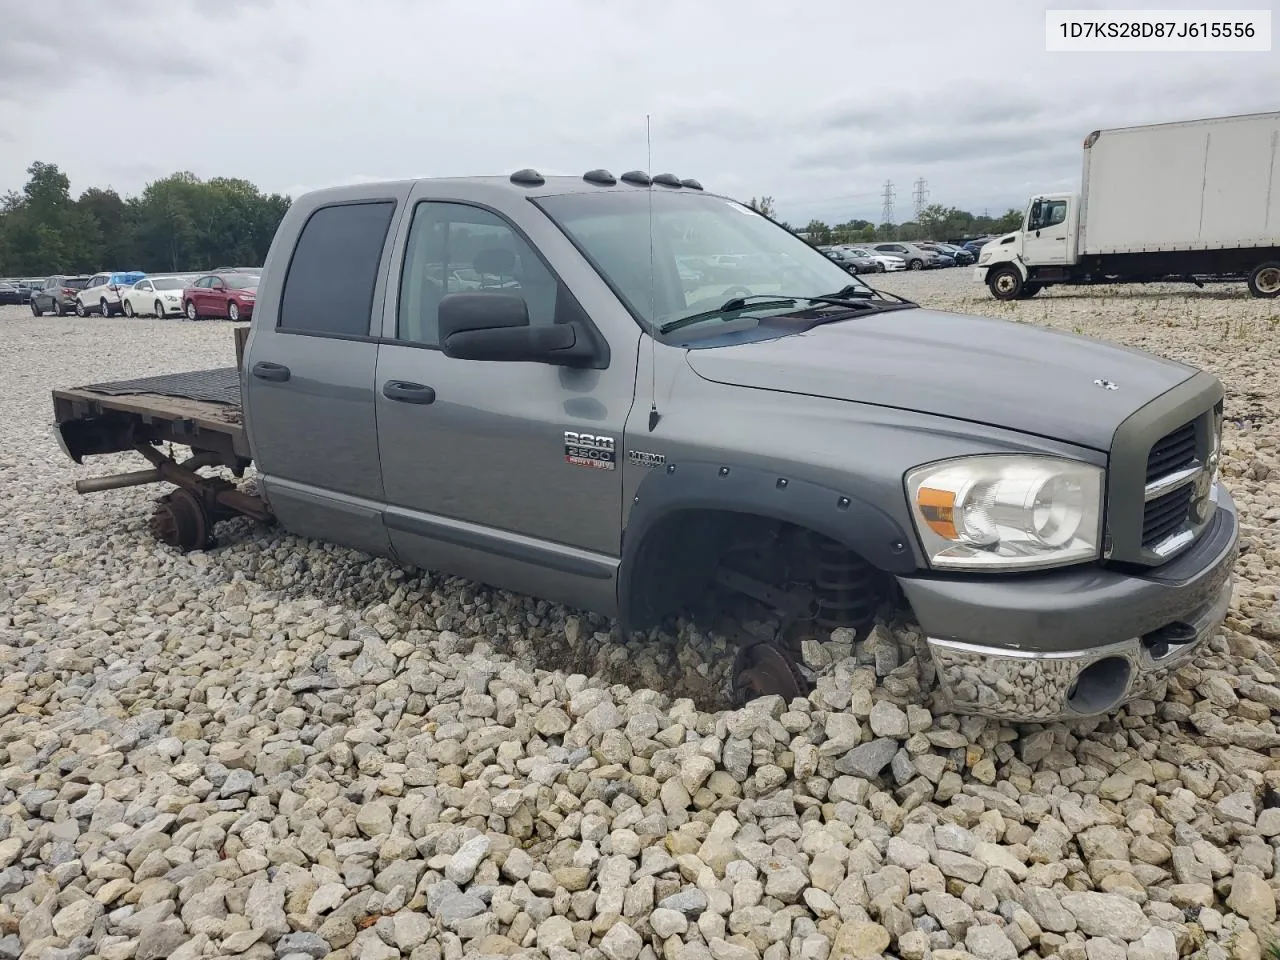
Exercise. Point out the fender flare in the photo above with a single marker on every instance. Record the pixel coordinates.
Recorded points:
(699, 485)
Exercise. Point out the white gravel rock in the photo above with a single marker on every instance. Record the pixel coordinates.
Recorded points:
(293, 750)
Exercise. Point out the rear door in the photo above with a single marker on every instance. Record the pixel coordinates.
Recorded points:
(310, 362)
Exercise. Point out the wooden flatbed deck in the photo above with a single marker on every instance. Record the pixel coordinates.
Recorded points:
(200, 409)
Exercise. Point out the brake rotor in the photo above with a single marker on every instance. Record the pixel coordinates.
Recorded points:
(762, 670)
(180, 521)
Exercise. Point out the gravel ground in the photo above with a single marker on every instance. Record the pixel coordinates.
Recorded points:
(280, 749)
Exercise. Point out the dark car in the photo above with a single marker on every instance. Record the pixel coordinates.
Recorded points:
(229, 295)
(851, 261)
(10, 292)
(962, 256)
(57, 296)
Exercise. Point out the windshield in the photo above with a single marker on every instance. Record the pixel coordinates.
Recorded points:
(169, 283)
(706, 249)
(241, 281)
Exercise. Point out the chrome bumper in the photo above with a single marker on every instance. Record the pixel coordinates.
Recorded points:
(1069, 684)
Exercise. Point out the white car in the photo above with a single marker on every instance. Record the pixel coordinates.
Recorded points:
(101, 294)
(155, 296)
(886, 260)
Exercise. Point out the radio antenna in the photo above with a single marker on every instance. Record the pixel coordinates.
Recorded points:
(654, 416)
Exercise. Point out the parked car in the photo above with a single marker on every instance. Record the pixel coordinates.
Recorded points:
(229, 295)
(57, 295)
(9, 292)
(915, 257)
(945, 257)
(888, 262)
(255, 270)
(156, 296)
(850, 261)
(101, 295)
(960, 255)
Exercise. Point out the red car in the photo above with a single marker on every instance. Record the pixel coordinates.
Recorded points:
(229, 295)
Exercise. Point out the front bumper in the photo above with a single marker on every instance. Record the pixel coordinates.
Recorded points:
(980, 274)
(1075, 643)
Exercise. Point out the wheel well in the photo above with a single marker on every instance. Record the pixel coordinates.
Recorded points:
(682, 555)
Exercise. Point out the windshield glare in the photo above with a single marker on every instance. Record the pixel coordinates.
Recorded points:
(169, 283)
(706, 250)
(241, 282)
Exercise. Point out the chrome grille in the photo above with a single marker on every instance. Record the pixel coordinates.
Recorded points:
(1176, 478)
(1172, 452)
(1165, 515)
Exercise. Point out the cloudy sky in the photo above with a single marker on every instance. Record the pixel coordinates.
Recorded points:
(816, 103)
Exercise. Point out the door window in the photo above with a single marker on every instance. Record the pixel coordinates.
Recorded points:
(330, 284)
(1048, 213)
(458, 248)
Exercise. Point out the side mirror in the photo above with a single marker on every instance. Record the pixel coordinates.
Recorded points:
(495, 327)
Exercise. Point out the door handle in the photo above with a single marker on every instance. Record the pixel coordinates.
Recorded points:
(271, 371)
(407, 392)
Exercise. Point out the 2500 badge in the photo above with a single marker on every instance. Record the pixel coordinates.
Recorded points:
(589, 450)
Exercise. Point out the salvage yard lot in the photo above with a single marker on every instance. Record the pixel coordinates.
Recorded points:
(282, 746)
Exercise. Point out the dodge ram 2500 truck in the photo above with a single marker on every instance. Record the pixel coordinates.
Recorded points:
(509, 379)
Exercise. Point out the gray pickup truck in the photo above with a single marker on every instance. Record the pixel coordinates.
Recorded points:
(510, 379)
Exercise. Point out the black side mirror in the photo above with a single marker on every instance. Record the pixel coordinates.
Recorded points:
(495, 327)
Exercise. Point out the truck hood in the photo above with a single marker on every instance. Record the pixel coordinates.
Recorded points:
(989, 371)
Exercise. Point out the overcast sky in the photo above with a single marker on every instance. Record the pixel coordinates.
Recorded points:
(817, 102)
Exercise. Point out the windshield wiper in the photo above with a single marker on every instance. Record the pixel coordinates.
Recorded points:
(841, 298)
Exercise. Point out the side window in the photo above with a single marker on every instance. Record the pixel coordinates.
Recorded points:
(204, 283)
(329, 287)
(455, 248)
(216, 284)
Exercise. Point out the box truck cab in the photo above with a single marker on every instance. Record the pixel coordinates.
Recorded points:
(1196, 201)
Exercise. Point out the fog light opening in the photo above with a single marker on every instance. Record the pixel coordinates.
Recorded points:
(1100, 686)
(1172, 636)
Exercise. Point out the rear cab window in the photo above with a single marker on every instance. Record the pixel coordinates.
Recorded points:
(329, 286)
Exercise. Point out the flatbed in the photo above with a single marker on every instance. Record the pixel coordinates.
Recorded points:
(202, 410)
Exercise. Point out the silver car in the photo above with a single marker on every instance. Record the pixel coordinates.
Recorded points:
(916, 257)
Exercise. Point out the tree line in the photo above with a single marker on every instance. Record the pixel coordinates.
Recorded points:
(936, 222)
(179, 224)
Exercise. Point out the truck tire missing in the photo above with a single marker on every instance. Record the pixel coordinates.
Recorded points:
(727, 569)
(780, 490)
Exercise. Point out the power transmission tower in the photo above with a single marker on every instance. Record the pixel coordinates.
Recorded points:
(920, 195)
(886, 212)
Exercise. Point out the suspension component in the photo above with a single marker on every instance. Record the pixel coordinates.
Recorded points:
(846, 587)
(761, 670)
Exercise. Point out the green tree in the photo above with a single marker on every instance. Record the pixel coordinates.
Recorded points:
(1012, 220)
(179, 222)
(763, 205)
(819, 232)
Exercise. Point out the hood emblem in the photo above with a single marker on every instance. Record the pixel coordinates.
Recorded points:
(1106, 384)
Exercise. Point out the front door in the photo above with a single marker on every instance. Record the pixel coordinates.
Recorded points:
(309, 374)
(505, 472)
(1045, 240)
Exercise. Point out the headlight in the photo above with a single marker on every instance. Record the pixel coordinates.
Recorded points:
(171, 297)
(985, 257)
(1007, 512)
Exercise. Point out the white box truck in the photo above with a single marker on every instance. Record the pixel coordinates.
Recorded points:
(1193, 201)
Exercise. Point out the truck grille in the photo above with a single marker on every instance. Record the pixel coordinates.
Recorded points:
(1172, 452)
(1164, 515)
